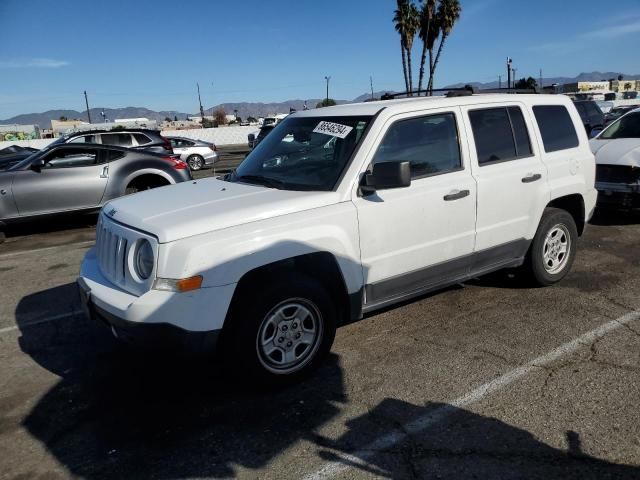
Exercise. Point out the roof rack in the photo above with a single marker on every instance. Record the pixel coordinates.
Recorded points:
(459, 92)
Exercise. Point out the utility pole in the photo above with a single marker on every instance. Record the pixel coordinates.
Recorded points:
(509, 61)
(371, 82)
(514, 77)
(499, 81)
(540, 86)
(86, 102)
(200, 103)
(327, 98)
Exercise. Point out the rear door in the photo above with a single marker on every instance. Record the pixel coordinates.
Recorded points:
(511, 176)
(70, 178)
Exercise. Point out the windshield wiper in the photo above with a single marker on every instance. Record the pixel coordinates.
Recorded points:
(260, 180)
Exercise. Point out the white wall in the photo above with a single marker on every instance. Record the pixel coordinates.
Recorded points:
(219, 136)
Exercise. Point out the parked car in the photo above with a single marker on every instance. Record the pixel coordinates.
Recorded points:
(13, 154)
(617, 151)
(605, 106)
(197, 153)
(136, 138)
(591, 115)
(617, 112)
(79, 178)
(254, 140)
(344, 211)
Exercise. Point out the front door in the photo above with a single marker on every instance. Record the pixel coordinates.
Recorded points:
(417, 237)
(70, 178)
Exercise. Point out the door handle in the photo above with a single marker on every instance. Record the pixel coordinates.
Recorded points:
(532, 177)
(456, 195)
(3, 192)
(105, 172)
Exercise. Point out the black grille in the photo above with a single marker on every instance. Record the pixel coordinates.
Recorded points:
(617, 174)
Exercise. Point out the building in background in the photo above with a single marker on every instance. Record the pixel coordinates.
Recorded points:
(19, 132)
(600, 87)
(625, 85)
(60, 127)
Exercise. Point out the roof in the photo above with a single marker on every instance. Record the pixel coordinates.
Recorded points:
(401, 105)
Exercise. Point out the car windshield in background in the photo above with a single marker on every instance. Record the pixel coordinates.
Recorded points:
(304, 153)
(625, 127)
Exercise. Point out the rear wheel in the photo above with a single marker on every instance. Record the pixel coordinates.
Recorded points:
(145, 182)
(554, 247)
(195, 162)
(284, 332)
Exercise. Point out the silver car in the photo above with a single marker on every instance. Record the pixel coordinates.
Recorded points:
(73, 178)
(197, 154)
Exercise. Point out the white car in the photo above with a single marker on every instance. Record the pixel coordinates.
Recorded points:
(617, 151)
(309, 234)
(197, 154)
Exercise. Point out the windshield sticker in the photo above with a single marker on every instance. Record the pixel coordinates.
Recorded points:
(333, 129)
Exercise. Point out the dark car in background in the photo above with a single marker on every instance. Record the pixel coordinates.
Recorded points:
(591, 115)
(13, 154)
(254, 140)
(135, 138)
(81, 178)
(617, 112)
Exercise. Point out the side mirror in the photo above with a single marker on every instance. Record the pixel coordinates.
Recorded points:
(251, 137)
(37, 164)
(387, 175)
(595, 132)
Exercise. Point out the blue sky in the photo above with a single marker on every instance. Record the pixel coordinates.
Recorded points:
(151, 53)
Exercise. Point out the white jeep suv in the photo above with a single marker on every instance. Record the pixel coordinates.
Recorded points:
(340, 212)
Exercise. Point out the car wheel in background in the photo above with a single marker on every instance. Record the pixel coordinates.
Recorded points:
(553, 249)
(283, 332)
(195, 162)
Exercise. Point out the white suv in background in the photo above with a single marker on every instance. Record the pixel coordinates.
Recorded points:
(340, 212)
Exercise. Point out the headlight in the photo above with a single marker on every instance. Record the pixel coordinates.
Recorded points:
(144, 259)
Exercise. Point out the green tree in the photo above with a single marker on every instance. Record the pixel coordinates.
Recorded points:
(406, 19)
(428, 33)
(526, 83)
(628, 86)
(175, 118)
(252, 119)
(330, 102)
(167, 119)
(220, 116)
(63, 118)
(447, 16)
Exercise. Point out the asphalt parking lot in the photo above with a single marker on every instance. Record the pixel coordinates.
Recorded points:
(490, 379)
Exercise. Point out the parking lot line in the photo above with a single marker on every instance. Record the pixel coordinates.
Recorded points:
(40, 321)
(44, 249)
(440, 414)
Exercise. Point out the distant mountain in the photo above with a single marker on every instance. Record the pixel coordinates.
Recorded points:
(257, 109)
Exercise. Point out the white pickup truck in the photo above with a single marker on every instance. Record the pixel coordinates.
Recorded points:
(340, 212)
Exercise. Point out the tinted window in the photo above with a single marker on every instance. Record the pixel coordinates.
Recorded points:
(429, 143)
(626, 127)
(556, 127)
(66, 158)
(520, 132)
(493, 135)
(84, 139)
(114, 155)
(141, 138)
(594, 110)
(119, 139)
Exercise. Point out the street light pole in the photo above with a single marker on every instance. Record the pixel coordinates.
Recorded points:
(327, 98)
(86, 102)
(509, 61)
(200, 103)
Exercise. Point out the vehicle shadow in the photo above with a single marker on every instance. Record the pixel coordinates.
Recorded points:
(118, 413)
(608, 217)
(399, 440)
(51, 225)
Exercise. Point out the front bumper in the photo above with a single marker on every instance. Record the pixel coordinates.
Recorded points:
(621, 195)
(155, 317)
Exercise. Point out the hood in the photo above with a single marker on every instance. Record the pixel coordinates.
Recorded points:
(622, 151)
(196, 207)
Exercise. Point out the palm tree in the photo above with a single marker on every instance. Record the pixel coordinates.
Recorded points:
(447, 16)
(428, 33)
(406, 22)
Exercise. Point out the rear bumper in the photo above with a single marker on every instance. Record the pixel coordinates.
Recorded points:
(621, 195)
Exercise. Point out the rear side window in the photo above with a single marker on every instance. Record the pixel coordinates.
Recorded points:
(429, 143)
(556, 127)
(141, 138)
(500, 134)
(119, 139)
(114, 155)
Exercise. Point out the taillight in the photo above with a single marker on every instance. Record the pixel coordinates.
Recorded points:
(167, 145)
(177, 163)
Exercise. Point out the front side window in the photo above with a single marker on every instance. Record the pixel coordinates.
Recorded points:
(303, 153)
(69, 158)
(556, 127)
(625, 127)
(500, 134)
(430, 144)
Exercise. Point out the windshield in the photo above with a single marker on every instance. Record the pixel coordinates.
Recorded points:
(28, 160)
(304, 153)
(625, 127)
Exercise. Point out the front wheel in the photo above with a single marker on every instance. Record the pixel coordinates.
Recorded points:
(282, 333)
(195, 162)
(553, 249)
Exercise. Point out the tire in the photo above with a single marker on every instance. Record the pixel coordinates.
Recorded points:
(273, 325)
(131, 190)
(195, 162)
(546, 263)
